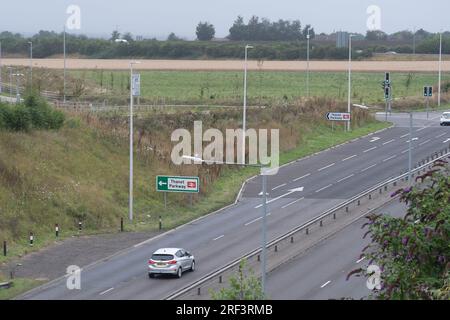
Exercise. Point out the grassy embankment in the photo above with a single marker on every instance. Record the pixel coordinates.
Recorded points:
(81, 171)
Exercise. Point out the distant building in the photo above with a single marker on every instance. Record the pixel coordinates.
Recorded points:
(342, 39)
(220, 39)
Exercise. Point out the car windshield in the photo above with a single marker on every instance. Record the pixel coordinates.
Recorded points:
(446, 115)
(162, 257)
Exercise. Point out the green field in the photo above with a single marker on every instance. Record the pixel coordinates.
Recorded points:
(264, 87)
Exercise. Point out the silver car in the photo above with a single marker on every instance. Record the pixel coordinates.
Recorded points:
(445, 119)
(172, 261)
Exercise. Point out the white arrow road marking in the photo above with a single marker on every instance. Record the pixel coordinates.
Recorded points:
(282, 196)
(106, 291)
(325, 284)
(261, 193)
(413, 139)
(277, 187)
(306, 175)
(375, 139)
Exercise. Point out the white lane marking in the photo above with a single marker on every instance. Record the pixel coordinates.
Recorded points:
(369, 149)
(106, 291)
(277, 187)
(404, 151)
(325, 284)
(219, 237)
(349, 158)
(306, 175)
(374, 139)
(404, 136)
(390, 158)
(291, 203)
(413, 139)
(254, 220)
(421, 129)
(422, 143)
(446, 141)
(282, 196)
(326, 167)
(441, 135)
(348, 177)
(321, 189)
(368, 167)
(358, 261)
(387, 142)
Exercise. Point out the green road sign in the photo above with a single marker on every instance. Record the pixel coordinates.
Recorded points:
(177, 184)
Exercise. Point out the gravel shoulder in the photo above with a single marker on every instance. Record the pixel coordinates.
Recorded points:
(52, 261)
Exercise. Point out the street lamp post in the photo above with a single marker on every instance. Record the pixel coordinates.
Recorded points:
(31, 65)
(1, 68)
(349, 78)
(410, 149)
(264, 210)
(307, 64)
(131, 141)
(244, 115)
(440, 68)
(64, 52)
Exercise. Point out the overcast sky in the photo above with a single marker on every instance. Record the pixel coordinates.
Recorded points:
(158, 18)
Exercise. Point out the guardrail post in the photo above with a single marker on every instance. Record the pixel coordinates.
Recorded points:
(359, 202)
(121, 224)
(334, 216)
(370, 196)
(381, 191)
(4, 248)
(198, 291)
(80, 226)
(292, 239)
(385, 188)
(220, 279)
(395, 183)
(258, 258)
(31, 239)
(276, 248)
(160, 223)
(321, 223)
(307, 231)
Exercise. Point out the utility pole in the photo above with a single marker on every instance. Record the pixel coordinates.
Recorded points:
(131, 140)
(307, 64)
(1, 68)
(244, 115)
(440, 68)
(410, 149)
(31, 65)
(64, 49)
(349, 79)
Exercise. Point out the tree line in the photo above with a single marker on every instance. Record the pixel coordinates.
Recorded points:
(278, 40)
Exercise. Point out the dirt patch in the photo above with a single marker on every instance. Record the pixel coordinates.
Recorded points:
(230, 65)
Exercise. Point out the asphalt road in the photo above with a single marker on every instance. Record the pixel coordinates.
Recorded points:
(322, 271)
(328, 178)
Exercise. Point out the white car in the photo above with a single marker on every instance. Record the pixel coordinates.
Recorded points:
(445, 119)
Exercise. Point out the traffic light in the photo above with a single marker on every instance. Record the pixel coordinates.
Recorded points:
(386, 92)
(383, 85)
(428, 91)
(387, 76)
